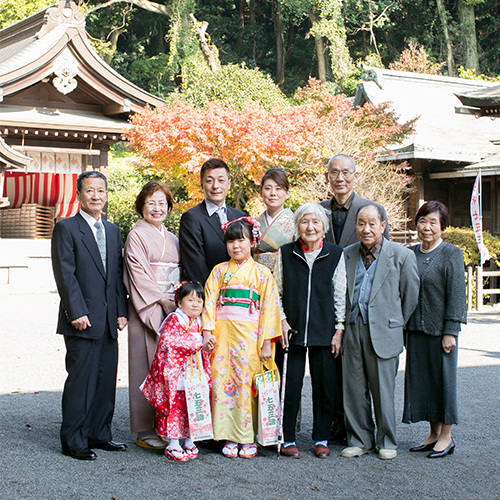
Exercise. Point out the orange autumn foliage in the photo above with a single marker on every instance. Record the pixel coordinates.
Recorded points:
(178, 139)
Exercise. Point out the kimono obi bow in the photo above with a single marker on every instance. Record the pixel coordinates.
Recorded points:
(239, 296)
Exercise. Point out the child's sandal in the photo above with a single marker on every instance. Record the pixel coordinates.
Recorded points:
(176, 455)
(230, 451)
(192, 452)
(248, 450)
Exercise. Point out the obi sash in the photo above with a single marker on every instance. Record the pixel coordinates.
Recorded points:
(238, 303)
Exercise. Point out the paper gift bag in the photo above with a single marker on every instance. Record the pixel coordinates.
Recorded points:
(269, 409)
(198, 404)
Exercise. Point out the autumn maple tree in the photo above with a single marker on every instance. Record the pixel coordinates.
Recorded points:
(300, 138)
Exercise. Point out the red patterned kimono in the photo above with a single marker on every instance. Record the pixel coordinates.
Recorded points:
(175, 346)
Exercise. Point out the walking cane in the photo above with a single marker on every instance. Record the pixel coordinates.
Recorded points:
(283, 384)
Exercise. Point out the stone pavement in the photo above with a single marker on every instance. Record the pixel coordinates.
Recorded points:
(33, 468)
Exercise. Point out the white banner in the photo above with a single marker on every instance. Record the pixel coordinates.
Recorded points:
(476, 218)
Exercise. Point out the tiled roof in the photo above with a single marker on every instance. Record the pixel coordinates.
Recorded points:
(440, 134)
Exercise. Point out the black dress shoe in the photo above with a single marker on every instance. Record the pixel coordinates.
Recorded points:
(423, 447)
(449, 450)
(110, 446)
(338, 435)
(80, 454)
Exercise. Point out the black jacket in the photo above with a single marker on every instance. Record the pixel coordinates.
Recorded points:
(201, 241)
(308, 295)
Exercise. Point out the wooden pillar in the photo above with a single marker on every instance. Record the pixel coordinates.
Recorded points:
(479, 288)
(470, 291)
(494, 205)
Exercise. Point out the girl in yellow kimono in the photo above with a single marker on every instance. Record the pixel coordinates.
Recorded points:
(240, 321)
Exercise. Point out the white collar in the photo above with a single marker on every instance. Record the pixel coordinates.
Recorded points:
(184, 318)
(212, 207)
(89, 219)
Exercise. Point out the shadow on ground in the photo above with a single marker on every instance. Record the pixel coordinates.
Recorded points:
(34, 468)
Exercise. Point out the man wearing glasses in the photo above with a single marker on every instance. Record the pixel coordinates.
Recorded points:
(342, 176)
(344, 205)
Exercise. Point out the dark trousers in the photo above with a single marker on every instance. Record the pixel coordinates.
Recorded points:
(88, 400)
(323, 373)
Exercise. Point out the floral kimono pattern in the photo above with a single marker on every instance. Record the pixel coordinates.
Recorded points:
(241, 310)
(160, 388)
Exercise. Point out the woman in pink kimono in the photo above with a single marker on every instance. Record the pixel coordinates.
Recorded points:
(151, 268)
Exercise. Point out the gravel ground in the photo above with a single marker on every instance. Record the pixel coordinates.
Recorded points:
(32, 376)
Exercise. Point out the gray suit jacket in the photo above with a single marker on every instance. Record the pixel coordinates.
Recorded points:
(393, 297)
(349, 235)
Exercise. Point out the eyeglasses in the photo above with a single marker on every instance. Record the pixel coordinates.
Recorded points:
(153, 204)
(335, 174)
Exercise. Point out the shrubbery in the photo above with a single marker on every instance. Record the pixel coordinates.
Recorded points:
(463, 237)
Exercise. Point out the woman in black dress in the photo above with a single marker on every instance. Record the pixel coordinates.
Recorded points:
(432, 332)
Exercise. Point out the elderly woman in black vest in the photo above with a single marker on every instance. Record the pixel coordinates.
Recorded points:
(311, 278)
(432, 333)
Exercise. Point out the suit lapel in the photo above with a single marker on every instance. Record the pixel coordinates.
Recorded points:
(91, 244)
(349, 226)
(352, 256)
(384, 265)
(214, 221)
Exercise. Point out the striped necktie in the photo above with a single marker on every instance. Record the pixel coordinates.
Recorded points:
(222, 215)
(101, 243)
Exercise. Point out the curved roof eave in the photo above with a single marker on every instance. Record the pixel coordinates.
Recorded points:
(38, 62)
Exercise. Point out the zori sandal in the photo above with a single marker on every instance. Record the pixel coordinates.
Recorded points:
(151, 443)
(248, 450)
(230, 450)
(176, 455)
(192, 452)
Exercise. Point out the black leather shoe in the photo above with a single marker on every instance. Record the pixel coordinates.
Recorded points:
(338, 435)
(110, 446)
(449, 450)
(423, 447)
(80, 454)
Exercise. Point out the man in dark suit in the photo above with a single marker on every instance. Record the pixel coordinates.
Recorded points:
(201, 238)
(382, 293)
(87, 264)
(342, 176)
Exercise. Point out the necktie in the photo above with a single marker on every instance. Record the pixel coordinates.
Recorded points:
(101, 243)
(222, 215)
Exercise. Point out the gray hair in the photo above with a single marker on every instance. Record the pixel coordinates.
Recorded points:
(312, 208)
(341, 157)
(378, 208)
(87, 175)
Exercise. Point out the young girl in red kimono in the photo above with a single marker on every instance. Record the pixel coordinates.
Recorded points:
(180, 338)
(241, 319)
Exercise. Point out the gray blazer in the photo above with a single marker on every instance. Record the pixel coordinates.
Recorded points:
(349, 235)
(393, 298)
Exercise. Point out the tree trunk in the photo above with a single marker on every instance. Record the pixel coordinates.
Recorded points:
(468, 29)
(208, 51)
(449, 52)
(143, 4)
(320, 54)
(114, 41)
(319, 47)
(280, 54)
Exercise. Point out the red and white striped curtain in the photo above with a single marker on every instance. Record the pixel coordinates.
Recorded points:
(46, 189)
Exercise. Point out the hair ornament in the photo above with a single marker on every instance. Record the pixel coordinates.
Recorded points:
(254, 224)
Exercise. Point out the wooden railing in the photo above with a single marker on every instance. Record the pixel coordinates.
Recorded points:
(479, 288)
(404, 237)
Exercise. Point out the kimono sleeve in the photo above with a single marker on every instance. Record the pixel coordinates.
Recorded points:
(270, 315)
(212, 290)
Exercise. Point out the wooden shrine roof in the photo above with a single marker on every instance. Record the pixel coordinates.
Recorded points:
(47, 65)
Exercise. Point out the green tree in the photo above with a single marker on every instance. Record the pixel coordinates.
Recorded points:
(12, 11)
